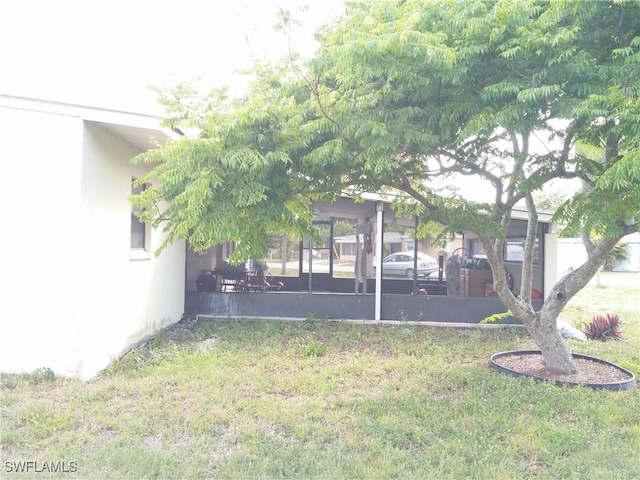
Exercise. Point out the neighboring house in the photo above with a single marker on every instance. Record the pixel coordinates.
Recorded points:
(393, 242)
(81, 284)
(632, 264)
(572, 254)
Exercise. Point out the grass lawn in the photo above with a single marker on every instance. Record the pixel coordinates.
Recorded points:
(318, 399)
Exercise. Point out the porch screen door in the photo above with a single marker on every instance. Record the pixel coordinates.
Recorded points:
(317, 258)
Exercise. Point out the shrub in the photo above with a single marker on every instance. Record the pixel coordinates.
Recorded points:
(603, 327)
(41, 375)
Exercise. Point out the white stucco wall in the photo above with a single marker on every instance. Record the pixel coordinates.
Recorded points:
(550, 262)
(130, 296)
(40, 193)
(72, 297)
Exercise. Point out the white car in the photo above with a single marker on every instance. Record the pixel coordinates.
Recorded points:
(401, 264)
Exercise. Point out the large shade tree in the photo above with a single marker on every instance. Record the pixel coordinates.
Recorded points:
(408, 96)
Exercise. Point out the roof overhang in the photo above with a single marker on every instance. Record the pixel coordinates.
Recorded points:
(139, 130)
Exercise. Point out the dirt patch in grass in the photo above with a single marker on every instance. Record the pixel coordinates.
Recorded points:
(178, 330)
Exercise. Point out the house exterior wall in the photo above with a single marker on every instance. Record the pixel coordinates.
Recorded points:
(40, 193)
(77, 297)
(550, 262)
(148, 291)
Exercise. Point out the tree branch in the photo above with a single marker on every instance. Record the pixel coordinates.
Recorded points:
(529, 246)
(473, 169)
(572, 283)
(408, 188)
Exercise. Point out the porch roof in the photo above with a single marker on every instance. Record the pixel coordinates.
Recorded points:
(387, 237)
(347, 207)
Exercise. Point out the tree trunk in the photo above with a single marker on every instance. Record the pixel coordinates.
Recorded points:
(557, 356)
(542, 325)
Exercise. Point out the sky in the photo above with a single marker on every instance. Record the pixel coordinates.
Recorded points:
(107, 53)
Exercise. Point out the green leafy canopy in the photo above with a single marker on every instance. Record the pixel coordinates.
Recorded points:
(411, 95)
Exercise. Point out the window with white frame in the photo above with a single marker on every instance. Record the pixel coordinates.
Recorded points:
(139, 233)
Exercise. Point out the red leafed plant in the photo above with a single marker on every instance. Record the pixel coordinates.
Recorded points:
(603, 327)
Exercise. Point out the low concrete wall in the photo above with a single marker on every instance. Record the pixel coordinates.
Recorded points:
(436, 308)
(280, 305)
(345, 306)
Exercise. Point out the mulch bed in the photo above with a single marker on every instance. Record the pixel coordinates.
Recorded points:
(589, 371)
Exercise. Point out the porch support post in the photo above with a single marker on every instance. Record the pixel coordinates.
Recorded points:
(415, 254)
(379, 229)
(550, 262)
(356, 268)
(310, 254)
(359, 255)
